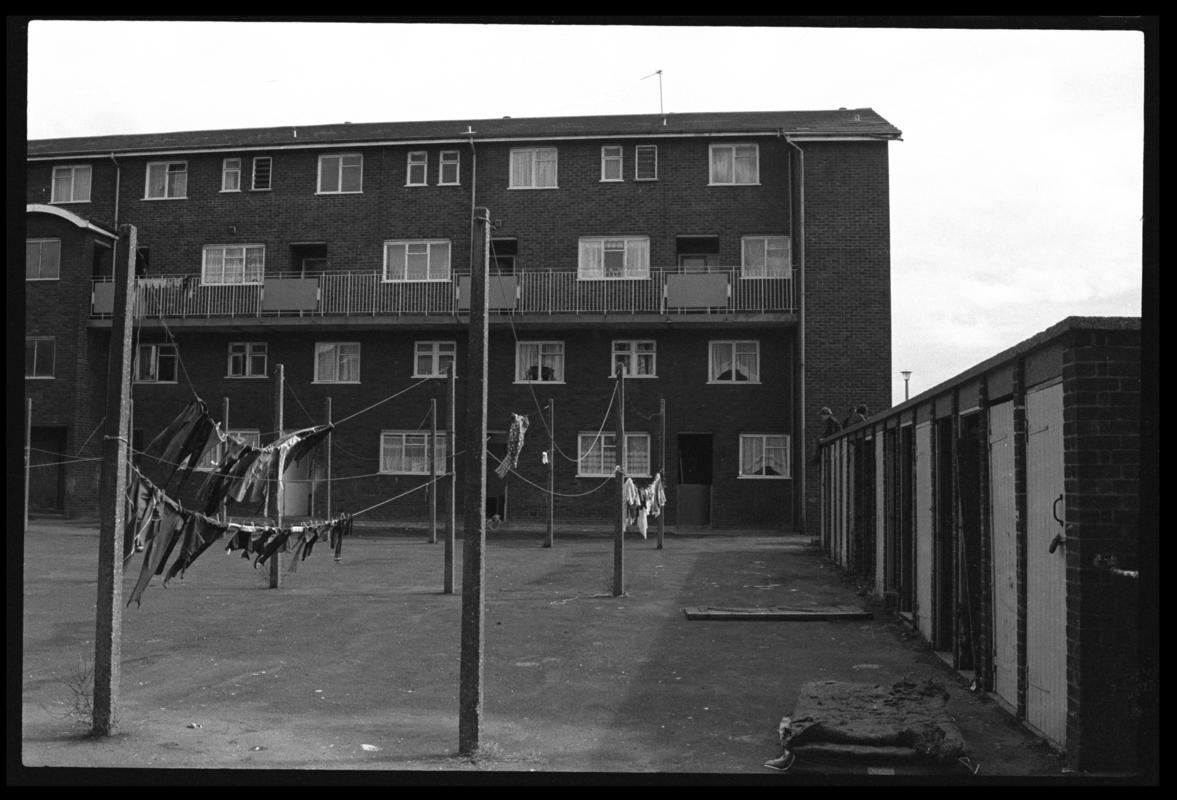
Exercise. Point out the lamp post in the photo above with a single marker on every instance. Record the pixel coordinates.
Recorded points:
(906, 377)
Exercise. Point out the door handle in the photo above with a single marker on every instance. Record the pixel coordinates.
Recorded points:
(1059, 538)
(1054, 510)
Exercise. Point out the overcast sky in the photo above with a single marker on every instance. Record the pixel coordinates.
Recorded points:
(1015, 193)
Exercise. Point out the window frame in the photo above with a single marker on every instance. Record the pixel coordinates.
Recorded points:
(449, 158)
(35, 341)
(429, 244)
(339, 355)
(244, 248)
(251, 351)
(732, 147)
(733, 343)
(253, 187)
(763, 438)
(604, 241)
(340, 157)
(521, 368)
(608, 470)
(42, 240)
(787, 247)
(439, 453)
(617, 159)
(73, 182)
(535, 152)
(433, 350)
(167, 165)
(155, 349)
(417, 160)
(631, 355)
(637, 176)
(227, 170)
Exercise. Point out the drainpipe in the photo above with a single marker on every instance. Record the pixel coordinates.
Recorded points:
(473, 190)
(118, 175)
(799, 238)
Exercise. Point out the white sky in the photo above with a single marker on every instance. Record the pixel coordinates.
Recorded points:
(1015, 193)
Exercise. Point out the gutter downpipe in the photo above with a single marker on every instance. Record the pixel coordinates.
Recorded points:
(800, 516)
(118, 176)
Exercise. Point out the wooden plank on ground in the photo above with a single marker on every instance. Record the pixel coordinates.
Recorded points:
(777, 613)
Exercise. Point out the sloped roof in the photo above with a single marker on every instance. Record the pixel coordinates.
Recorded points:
(862, 122)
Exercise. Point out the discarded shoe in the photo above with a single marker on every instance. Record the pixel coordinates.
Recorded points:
(783, 763)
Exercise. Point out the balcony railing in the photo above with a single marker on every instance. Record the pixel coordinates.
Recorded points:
(666, 292)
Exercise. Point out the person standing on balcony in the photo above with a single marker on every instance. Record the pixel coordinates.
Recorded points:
(858, 415)
(830, 426)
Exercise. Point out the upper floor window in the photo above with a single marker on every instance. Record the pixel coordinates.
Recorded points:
(407, 453)
(417, 261)
(645, 162)
(431, 359)
(247, 359)
(734, 362)
(418, 169)
(337, 362)
(635, 356)
(167, 180)
(42, 259)
(735, 164)
(611, 164)
(621, 257)
(533, 168)
(764, 455)
(71, 184)
(447, 167)
(539, 362)
(765, 257)
(233, 263)
(341, 174)
(39, 355)
(231, 175)
(263, 167)
(598, 454)
(156, 363)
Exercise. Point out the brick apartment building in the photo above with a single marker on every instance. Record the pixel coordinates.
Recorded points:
(737, 265)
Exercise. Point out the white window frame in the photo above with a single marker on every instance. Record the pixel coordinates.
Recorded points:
(420, 439)
(230, 167)
(748, 440)
(449, 158)
(734, 345)
(181, 191)
(418, 162)
(628, 349)
(434, 350)
(600, 442)
(338, 169)
(241, 252)
(731, 150)
(40, 276)
(247, 352)
(430, 248)
(750, 271)
(73, 170)
(543, 349)
(340, 355)
(593, 251)
(152, 354)
(612, 156)
(253, 187)
(211, 458)
(36, 342)
(637, 175)
(533, 156)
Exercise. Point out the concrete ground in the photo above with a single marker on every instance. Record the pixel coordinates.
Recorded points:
(355, 665)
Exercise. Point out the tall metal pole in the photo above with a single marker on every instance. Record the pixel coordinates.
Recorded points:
(451, 523)
(28, 454)
(662, 468)
(112, 496)
(277, 496)
(473, 570)
(327, 454)
(551, 473)
(619, 528)
(225, 425)
(433, 470)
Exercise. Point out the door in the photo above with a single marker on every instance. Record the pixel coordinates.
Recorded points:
(1046, 603)
(944, 572)
(46, 470)
(1003, 519)
(296, 489)
(694, 479)
(923, 528)
(880, 512)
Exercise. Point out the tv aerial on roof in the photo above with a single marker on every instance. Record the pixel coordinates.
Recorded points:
(660, 111)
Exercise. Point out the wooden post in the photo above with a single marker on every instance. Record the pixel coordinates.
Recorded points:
(276, 497)
(551, 473)
(225, 425)
(451, 524)
(662, 468)
(619, 532)
(473, 570)
(433, 470)
(28, 454)
(112, 496)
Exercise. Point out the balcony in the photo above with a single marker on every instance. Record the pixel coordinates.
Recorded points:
(665, 294)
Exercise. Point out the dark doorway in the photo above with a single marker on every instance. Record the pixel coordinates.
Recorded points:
(694, 479)
(697, 253)
(906, 520)
(943, 572)
(46, 470)
(103, 266)
(308, 258)
(502, 256)
(969, 459)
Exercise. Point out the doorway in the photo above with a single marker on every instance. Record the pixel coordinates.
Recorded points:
(944, 571)
(46, 470)
(308, 258)
(694, 479)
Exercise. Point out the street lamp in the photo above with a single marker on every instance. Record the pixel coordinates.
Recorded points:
(906, 377)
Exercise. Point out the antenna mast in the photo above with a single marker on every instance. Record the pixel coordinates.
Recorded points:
(659, 74)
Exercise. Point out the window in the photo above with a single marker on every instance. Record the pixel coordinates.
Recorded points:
(167, 180)
(417, 169)
(71, 184)
(263, 167)
(407, 453)
(39, 354)
(337, 362)
(247, 359)
(156, 363)
(431, 358)
(645, 162)
(417, 261)
(611, 164)
(764, 455)
(636, 357)
(233, 264)
(231, 175)
(341, 174)
(598, 454)
(533, 168)
(765, 257)
(734, 362)
(447, 167)
(212, 456)
(623, 257)
(733, 164)
(539, 362)
(42, 259)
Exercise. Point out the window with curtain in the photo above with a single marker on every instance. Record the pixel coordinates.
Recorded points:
(71, 184)
(341, 174)
(533, 168)
(636, 356)
(765, 257)
(598, 454)
(614, 258)
(42, 259)
(226, 264)
(39, 356)
(167, 180)
(611, 164)
(337, 362)
(447, 167)
(734, 362)
(418, 168)
(417, 260)
(733, 164)
(407, 453)
(539, 362)
(764, 455)
(231, 175)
